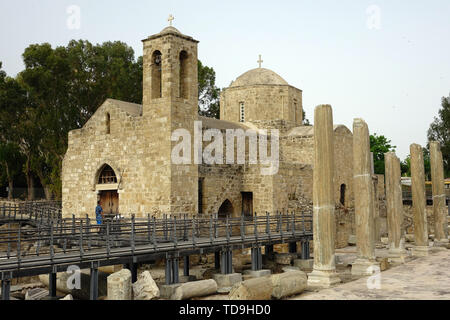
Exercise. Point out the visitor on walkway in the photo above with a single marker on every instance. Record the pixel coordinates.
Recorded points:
(99, 215)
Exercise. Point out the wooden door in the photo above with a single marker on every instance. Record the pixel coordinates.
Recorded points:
(114, 202)
(109, 200)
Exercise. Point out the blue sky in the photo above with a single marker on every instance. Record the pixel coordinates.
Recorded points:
(393, 76)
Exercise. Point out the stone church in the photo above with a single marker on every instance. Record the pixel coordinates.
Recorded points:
(123, 154)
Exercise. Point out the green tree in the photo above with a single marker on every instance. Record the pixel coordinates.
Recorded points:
(66, 85)
(305, 121)
(405, 165)
(379, 145)
(440, 131)
(58, 91)
(13, 101)
(11, 164)
(208, 93)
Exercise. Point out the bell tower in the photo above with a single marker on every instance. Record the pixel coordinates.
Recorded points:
(170, 102)
(170, 74)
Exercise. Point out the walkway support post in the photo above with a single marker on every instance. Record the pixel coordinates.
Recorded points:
(52, 284)
(94, 281)
(6, 285)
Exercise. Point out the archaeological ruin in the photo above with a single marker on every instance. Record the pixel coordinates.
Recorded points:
(255, 205)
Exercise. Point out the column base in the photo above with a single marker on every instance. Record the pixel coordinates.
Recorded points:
(304, 264)
(365, 267)
(322, 279)
(420, 251)
(444, 243)
(398, 256)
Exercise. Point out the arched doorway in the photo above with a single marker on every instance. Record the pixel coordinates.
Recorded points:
(107, 190)
(226, 210)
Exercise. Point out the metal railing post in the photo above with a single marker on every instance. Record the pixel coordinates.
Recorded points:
(211, 236)
(132, 240)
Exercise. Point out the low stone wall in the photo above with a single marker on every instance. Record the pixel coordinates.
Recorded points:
(344, 218)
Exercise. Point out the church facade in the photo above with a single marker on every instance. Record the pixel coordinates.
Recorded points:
(123, 156)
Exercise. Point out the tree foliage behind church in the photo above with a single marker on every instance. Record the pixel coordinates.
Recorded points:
(379, 145)
(208, 93)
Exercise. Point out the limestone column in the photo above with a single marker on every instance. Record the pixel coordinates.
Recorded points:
(376, 209)
(439, 210)
(397, 252)
(324, 229)
(418, 197)
(376, 206)
(366, 263)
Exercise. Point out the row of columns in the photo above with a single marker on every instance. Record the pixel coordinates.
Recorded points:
(324, 270)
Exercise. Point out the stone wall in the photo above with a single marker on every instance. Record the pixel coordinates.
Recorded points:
(135, 141)
(298, 147)
(221, 182)
(408, 224)
(262, 102)
(90, 148)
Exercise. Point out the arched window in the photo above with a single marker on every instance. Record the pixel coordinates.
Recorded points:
(156, 67)
(183, 90)
(107, 175)
(226, 209)
(108, 123)
(342, 198)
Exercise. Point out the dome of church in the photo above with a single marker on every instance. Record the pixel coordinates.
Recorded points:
(170, 29)
(259, 76)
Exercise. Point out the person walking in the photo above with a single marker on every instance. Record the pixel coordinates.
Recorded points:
(99, 214)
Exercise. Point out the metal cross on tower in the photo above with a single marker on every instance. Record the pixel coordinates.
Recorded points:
(260, 61)
(170, 19)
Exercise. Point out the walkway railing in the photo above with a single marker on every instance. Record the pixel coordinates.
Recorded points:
(75, 239)
(40, 241)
